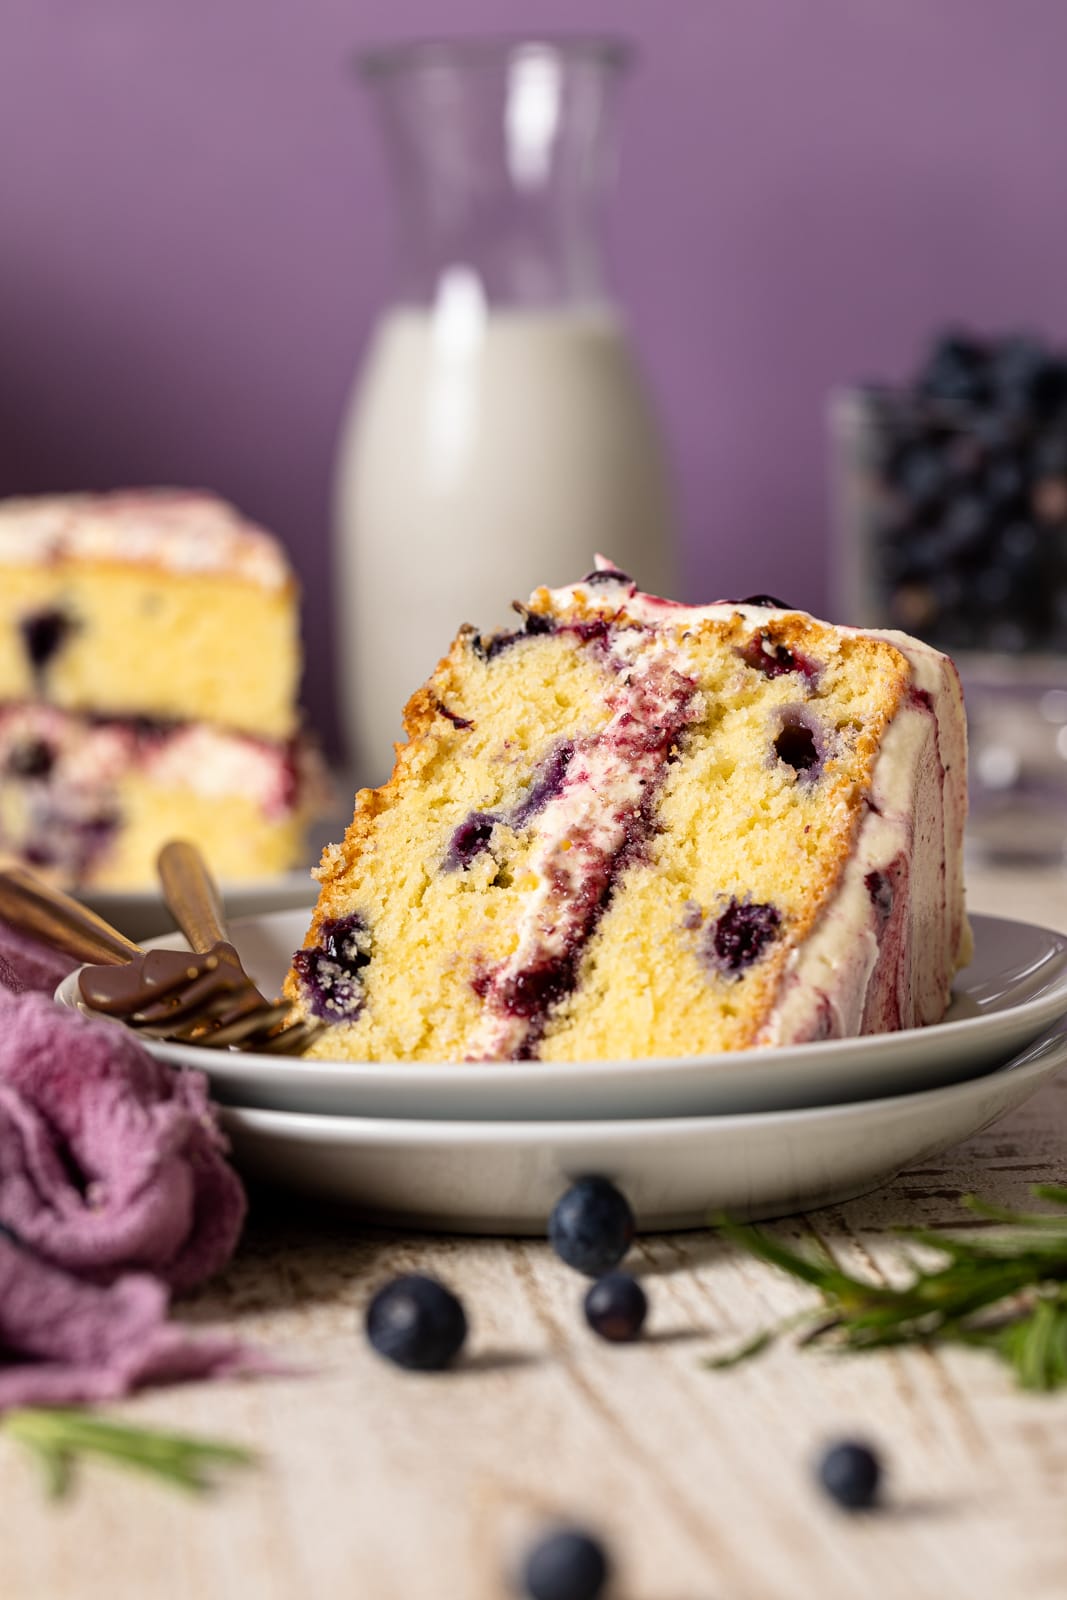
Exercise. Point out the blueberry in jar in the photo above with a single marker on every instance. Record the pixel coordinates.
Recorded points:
(616, 1307)
(921, 475)
(965, 525)
(417, 1323)
(851, 1474)
(566, 1565)
(957, 369)
(591, 1227)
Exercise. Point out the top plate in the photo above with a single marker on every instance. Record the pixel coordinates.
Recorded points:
(142, 914)
(1015, 987)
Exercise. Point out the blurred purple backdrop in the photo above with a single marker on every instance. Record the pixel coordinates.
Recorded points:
(195, 239)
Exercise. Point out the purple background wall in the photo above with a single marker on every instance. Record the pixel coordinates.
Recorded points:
(193, 238)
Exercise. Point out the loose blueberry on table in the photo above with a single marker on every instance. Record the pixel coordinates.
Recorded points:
(616, 1307)
(591, 1227)
(566, 1565)
(417, 1323)
(851, 1473)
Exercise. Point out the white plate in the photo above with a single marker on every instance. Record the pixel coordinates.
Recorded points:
(504, 1177)
(1015, 987)
(141, 914)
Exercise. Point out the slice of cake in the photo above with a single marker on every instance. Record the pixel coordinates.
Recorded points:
(149, 667)
(634, 828)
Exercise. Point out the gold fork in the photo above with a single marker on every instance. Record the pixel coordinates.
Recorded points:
(254, 1023)
(197, 997)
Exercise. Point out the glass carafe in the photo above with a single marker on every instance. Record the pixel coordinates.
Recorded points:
(500, 433)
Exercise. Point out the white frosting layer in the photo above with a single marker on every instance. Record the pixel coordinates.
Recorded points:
(91, 757)
(181, 531)
(864, 969)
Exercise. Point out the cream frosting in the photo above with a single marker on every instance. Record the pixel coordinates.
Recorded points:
(180, 531)
(91, 756)
(861, 971)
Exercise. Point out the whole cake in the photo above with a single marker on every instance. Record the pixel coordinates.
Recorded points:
(149, 666)
(632, 828)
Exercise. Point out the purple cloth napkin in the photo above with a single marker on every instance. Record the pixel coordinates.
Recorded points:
(114, 1190)
(26, 965)
(63, 1340)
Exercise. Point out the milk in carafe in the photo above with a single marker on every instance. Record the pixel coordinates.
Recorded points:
(482, 458)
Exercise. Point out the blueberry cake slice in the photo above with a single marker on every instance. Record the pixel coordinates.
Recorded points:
(149, 665)
(633, 828)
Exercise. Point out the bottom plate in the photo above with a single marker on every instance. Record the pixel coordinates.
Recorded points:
(505, 1177)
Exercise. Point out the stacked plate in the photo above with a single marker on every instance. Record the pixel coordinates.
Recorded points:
(489, 1148)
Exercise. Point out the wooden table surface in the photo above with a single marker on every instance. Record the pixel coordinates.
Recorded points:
(380, 1485)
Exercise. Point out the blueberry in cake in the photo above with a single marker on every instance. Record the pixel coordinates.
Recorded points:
(149, 662)
(632, 828)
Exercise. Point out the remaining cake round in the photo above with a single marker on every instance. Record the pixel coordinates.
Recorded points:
(633, 828)
(149, 664)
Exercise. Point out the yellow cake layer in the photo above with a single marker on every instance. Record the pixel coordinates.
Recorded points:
(730, 825)
(422, 1001)
(730, 821)
(239, 840)
(144, 641)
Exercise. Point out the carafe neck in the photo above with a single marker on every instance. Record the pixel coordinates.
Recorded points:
(501, 155)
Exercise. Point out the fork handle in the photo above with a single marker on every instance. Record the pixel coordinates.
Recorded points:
(45, 913)
(191, 894)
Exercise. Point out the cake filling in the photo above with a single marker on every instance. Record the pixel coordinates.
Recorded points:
(67, 782)
(600, 815)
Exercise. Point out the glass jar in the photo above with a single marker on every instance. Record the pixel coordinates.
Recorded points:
(500, 434)
(952, 525)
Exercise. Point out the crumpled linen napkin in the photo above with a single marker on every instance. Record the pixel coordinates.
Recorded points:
(114, 1190)
(26, 965)
(63, 1340)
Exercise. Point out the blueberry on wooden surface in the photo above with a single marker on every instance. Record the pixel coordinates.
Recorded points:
(591, 1227)
(850, 1473)
(566, 1565)
(616, 1307)
(417, 1323)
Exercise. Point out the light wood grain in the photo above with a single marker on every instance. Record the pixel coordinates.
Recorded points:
(385, 1486)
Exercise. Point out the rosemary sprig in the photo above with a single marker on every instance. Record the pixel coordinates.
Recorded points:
(61, 1437)
(1006, 1293)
